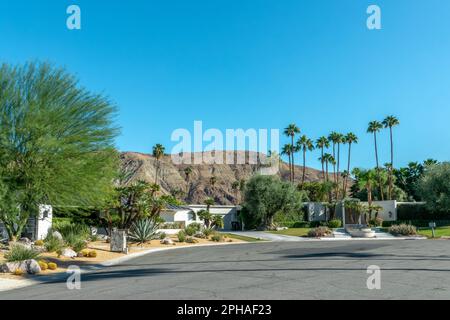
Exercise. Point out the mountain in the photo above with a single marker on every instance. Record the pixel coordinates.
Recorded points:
(172, 179)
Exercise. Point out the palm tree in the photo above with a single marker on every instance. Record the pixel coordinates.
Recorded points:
(213, 181)
(375, 127)
(335, 138)
(349, 139)
(321, 144)
(235, 187)
(290, 131)
(390, 122)
(187, 174)
(209, 202)
(158, 153)
(304, 144)
(366, 180)
(327, 159)
(154, 188)
(287, 150)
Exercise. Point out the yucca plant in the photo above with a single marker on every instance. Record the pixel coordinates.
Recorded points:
(143, 230)
(20, 253)
(53, 244)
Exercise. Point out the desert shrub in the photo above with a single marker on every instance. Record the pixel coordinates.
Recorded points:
(52, 244)
(199, 235)
(207, 232)
(162, 235)
(333, 224)
(191, 240)
(143, 230)
(403, 229)
(43, 265)
(192, 228)
(172, 225)
(19, 252)
(79, 245)
(71, 231)
(39, 243)
(94, 237)
(74, 240)
(217, 237)
(319, 232)
(181, 236)
(52, 266)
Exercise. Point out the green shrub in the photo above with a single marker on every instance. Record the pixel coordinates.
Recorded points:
(319, 232)
(162, 235)
(333, 224)
(143, 230)
(192, 228)
(72, 232)
(181, 236)
(18, 252)
(79, 245)
(377, 222)
(191, 240)
(172, 225)
(53, 244)
(403, 229)
(207, 231)
(217, 237)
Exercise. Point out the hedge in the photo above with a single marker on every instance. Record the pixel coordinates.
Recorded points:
(418, 211)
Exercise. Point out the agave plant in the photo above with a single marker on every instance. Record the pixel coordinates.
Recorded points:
(143, 230)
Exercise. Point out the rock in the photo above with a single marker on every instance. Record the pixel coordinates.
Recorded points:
(11, 267)
(118, 241)
(68, 253)
(199, 235)
(25, 241)
(32, 266)
(167, 241)
(57, 235)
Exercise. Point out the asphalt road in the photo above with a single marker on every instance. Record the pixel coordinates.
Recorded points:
(410, 269)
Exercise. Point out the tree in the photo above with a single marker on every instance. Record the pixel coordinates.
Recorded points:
(288, 150)
(434, 187)
(290, 131)
(266, 196)
(235, 187)
(366, 179)
(350, 139)
(336, 139)
(304, 144)
(209, 202)
(375, 127)
(321, 144)
(206, 216)
(213, 181)
(158, 153)
(56, 143)
(390, 122)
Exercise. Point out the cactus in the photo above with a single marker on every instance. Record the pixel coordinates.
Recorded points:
(39, 243)
(18, 272)
(52, 266)
(43, 265)
(92, 254)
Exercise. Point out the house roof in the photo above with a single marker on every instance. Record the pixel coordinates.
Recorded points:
(173, 207)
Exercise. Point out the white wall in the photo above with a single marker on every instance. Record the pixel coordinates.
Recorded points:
(389, 212)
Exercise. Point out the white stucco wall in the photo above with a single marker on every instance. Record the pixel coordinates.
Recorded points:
(389, 212)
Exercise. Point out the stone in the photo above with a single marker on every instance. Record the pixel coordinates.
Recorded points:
(167, 241)
(32, 266)
(11, 267)
(199, 235)
(57, 235)
(25, 241)
(68, 253)
(118, 241)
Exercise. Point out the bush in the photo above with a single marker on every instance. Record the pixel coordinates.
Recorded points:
(434, 188)
(207, 232)
(199, 235)
(162, 235)
(52, 266)
(79, 245)
(333, 224)
(143, 230)
(53, 244)
(193, 228)
(172, 225)
(43, 265)
(71, 231)
(39, 243)
(403, 229)
(319, 232)
(18, 252)
(217, 237)
(181, 236)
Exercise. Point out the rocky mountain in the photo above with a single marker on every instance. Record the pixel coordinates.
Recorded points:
(199, 185)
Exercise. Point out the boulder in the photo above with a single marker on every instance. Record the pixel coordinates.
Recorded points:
(25, 241)
(68, 253)
(33, 266)
(57, 235)
(167, 241)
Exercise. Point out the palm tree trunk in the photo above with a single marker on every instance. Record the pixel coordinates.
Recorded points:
(323, 168)
(304, 167)
(348, 167)
(337, 176)
(334, 164)
(392, 164)
(378, 167)
(293, 152)
(290, 172)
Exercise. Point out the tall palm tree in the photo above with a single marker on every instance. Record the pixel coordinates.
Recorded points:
(390, 122)
(187, 174)
(287, 150)
(327, 159)
(304, 144)
(335, 139)
(235, 187)
(158, 153)
(350, 139)
(375, 127)
(209, 202)
(321, 144)
(290, 131)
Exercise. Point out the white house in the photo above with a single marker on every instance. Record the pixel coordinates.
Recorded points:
(188, 214)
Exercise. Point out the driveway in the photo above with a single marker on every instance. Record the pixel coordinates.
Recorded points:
(268, 270)
(267, 236)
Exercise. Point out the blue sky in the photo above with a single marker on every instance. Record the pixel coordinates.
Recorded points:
(252, 64)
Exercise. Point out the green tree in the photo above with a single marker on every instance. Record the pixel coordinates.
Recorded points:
(390, 122)
(375, 127)
(304, 144)
(434, 187)
(349, 139)
(290, 131)
(288, 150)
(321, 144)
(56, 143)
(266, 196)
(158, 153)
(335, 138)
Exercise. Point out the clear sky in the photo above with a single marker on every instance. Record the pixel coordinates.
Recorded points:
(252, 64)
